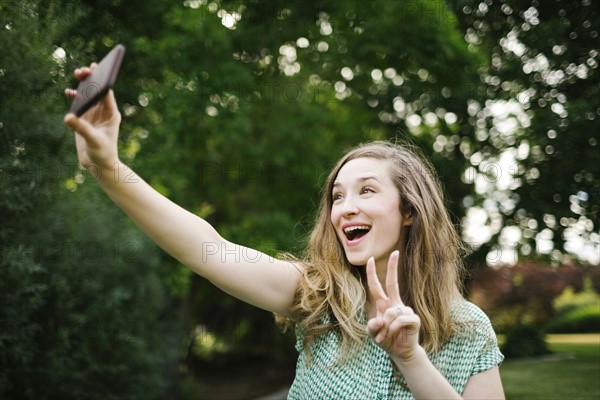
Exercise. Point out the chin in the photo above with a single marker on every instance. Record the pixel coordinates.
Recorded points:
(357, 260)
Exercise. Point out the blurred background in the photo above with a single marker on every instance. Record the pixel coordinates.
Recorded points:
(236, 110)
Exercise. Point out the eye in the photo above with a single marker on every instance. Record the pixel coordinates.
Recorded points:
(366, 189)
(336, 196)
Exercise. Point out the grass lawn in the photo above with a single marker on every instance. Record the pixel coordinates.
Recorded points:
(572, 372)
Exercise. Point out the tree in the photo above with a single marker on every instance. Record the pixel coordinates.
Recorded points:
(539, 110)
(82, 305)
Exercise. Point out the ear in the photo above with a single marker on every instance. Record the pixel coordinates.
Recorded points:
(407, 211)
(407, 215)
(407, 219)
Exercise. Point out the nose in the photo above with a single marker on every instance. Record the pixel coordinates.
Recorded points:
(348, 207)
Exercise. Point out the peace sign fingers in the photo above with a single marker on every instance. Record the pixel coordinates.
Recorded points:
(395, 327)
(375, 288)
(384, 302)
(392, 290)
(391, 279)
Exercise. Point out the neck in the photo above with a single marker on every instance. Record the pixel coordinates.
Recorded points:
(381, 265)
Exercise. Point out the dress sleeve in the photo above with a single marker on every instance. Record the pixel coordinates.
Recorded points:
(299, 343)
(489, 353)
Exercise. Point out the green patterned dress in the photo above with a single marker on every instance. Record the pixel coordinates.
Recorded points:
(369, 373)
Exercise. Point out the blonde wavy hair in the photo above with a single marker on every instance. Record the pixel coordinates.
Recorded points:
(332, 295)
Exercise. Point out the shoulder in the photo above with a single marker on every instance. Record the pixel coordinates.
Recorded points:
(465, 310)
(472, 347)
(470, 319)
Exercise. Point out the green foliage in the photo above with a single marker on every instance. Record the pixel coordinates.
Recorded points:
(82, 307)
(569, 299)
(543, 79)
(580, 320)
(32, 144)
(189, 389)
(19, 307)
(577, 312)
(84, 317)
(524, 341)
(523, 294)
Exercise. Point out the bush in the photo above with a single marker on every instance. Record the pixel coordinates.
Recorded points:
(525, 341)
(577, 312)
(584, 319)
(84, 313)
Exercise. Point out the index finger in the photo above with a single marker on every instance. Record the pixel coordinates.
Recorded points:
(391, 278)
(83, 72)
(373, 282)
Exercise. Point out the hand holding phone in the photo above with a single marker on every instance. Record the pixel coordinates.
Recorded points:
(97, 132)
(99, 82)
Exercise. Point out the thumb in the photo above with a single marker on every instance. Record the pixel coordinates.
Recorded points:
(374, 325)
(79, 125)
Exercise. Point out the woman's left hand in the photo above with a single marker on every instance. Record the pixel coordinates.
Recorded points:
(395, 327)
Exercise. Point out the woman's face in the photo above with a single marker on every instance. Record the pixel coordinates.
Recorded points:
(366, 211)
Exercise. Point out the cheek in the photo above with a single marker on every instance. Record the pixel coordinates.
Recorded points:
(334, 216)
(393, 217)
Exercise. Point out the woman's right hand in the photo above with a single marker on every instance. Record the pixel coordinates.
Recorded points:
(96, 131)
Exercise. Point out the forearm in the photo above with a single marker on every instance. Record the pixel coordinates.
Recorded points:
(423, 379)
(176, 230)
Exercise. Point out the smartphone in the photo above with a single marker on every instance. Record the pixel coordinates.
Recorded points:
(99, 82)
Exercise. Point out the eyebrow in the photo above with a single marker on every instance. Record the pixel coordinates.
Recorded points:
(359, 179)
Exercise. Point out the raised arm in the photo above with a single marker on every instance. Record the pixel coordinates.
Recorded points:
(245, 273)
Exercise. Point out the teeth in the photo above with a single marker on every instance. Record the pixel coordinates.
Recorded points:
(353, 228)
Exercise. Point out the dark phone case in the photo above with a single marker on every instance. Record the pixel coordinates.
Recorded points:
(101, 80)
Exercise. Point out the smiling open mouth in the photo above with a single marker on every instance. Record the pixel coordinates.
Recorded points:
(356, 232)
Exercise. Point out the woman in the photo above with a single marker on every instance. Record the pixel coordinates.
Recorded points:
(381, 224)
